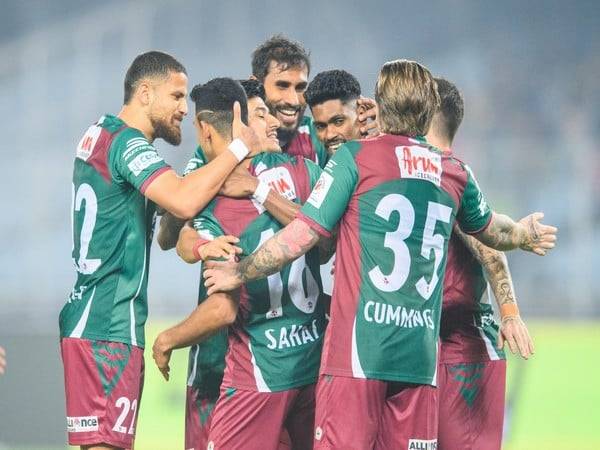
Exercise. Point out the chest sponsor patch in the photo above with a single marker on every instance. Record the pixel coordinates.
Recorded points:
(420, 163)
(143, 161)
(88, 142)
(82, 424)
(280, 180)
(420, 444)
(320, 190)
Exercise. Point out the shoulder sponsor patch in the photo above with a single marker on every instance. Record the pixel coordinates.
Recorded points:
(82, 424)
(143, 161)
(280, 180)
(320, 190)
(88, 142)
(420, 163)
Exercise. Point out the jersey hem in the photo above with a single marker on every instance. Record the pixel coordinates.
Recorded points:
(487, 224)
(470, 359)
(382, 376)
(274, 388)
(94, 337)
(313, 224)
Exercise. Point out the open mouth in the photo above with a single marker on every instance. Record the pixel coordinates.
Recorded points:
(288, 115)
(332, 147)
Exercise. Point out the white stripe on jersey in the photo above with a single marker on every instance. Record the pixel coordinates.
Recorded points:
(131, 309)
(192, 376)
(258, 376)
(357, 369)
(78, 330)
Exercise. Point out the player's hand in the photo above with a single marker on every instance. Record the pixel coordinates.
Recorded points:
(2, 361)
(367, 116)
(221, 276)
(242, 131)
(537, 237)
(221, 247)
(162, 355)
(239, 184)
(514, 332)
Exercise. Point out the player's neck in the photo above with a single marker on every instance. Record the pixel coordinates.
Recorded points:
(135, 118)
(438, 141)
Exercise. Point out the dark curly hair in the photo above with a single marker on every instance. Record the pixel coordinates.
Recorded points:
(283, 51)
(332, 85)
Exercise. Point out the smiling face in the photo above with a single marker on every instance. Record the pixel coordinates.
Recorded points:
(264, 124)
(168, 107)
(284, 89)
(336, 122)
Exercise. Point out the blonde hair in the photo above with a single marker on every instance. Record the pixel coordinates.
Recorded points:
(407, 98)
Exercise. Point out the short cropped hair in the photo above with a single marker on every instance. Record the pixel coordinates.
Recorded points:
(450, 114)
(147, 65)
(214, 103)
(253, 88)
(407, 97)
(284, 51)
(332, 85)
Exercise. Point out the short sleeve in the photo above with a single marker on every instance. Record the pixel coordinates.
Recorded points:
(474, 214)
(207, 225)
(314, 172)
(197, 161)
(134, 160)
(332, 192)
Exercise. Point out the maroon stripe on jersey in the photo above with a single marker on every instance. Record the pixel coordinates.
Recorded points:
(313, 225)
(99, 157)
(454, 178)
(301, 178)
(301, 146)
(337, 347)
(487, 224)
(153, 177)
(234, 214)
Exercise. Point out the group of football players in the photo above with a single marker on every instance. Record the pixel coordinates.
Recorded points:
(404, 354)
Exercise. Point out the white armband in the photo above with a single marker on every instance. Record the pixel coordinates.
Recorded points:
(239, 149)
(261, 193)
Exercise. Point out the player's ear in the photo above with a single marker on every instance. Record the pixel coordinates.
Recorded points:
(206, 130)
(144, 93)
(252, 77)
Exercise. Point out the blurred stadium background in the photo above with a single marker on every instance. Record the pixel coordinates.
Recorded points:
(529, 75)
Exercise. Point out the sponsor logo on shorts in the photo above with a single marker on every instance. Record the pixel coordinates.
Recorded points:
(143, 161)
(320, 190)
(420, 163)
(82, 424)
(420, 444)
(210, 446)
(318, 433)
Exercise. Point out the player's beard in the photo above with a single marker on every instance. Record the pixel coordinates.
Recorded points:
(285, 133)
(166, 130)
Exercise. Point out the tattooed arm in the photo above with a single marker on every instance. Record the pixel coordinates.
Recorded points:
(288, 244)
(528, 234)
(495, 264)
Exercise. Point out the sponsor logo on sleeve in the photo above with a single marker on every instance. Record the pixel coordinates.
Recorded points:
(420, 163)
(82, 424)
(320, 190)
(280, 180)
(420, 444)
(88, 142)
(143, 161)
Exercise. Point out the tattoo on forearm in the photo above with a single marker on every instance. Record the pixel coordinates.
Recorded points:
(288, 244)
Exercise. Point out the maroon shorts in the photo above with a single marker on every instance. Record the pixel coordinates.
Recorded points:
(198, 414)
(471, 405)
(103, 387)
(249, 420)
(358, 414)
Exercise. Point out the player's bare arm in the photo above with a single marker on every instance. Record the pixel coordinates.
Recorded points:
(192, 248)
(288, 244)
(169, 230)
(217, 311)
(495, 264)
(184, 197)
(528, 234)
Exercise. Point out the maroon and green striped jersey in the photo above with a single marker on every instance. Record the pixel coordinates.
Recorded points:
(306, 143)
(112, 231)
(468, 330)
(275, 343)
(395, 199)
